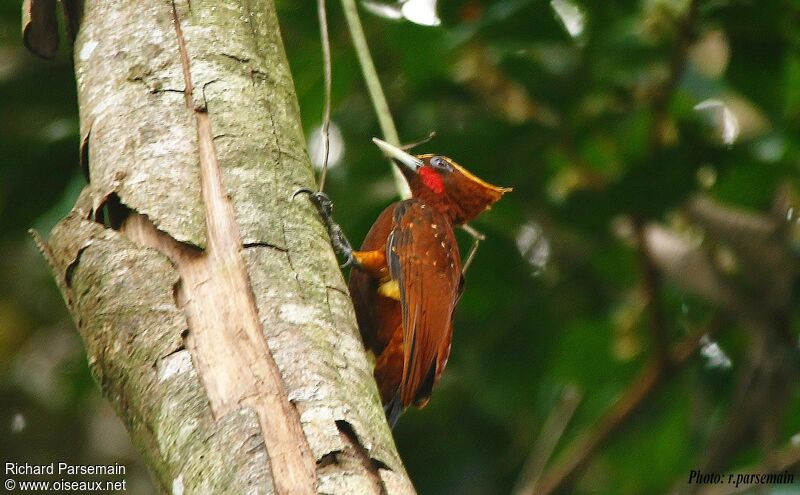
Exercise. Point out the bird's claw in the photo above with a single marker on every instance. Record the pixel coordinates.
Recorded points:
(350, 261)
(341, 245)
(302, 190)
(325, 207)
(319, 198)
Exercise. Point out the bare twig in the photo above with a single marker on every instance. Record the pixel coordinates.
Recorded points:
(551, 433)
(424, 140)
(583, 448)
(326, 116)
(477, 237)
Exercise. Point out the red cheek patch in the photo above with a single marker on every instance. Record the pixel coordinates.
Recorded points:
(431, 179)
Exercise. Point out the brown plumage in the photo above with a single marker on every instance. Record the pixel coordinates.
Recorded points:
(407, 276)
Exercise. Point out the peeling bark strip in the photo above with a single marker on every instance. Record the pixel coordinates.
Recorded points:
(213, 311)
(227, 342)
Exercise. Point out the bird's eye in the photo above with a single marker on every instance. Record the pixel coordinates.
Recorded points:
(439, 163)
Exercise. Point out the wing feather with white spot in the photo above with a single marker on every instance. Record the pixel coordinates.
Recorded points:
(423, 257)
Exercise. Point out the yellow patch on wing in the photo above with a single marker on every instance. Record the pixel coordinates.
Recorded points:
(390, 289)
(372, 358)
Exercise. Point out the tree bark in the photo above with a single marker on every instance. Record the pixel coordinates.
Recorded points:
(214, 315)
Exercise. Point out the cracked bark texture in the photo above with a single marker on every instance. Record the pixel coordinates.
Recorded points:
(212, 309)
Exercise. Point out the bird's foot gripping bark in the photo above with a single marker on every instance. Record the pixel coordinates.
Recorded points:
(325, 207)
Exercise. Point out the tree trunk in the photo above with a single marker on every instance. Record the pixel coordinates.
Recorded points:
(214, 314)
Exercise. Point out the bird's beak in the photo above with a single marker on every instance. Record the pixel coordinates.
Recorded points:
(409, 162)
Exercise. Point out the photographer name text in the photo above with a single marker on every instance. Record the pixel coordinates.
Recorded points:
(63, 468)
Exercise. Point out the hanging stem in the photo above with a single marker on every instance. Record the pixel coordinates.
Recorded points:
(374, 87)
(326, 116)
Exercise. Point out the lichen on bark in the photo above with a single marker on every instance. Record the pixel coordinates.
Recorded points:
(211, 305)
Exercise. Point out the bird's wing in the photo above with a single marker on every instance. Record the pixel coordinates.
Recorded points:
(376, 317)
(423, 258)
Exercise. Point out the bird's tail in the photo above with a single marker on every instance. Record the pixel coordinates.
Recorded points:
(393, 409)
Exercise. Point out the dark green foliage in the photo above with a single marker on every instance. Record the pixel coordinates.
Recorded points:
(573, 126)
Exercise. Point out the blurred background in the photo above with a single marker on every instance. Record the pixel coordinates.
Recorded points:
(632, 314)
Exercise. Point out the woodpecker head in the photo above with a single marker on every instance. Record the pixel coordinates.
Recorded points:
(444, 184)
